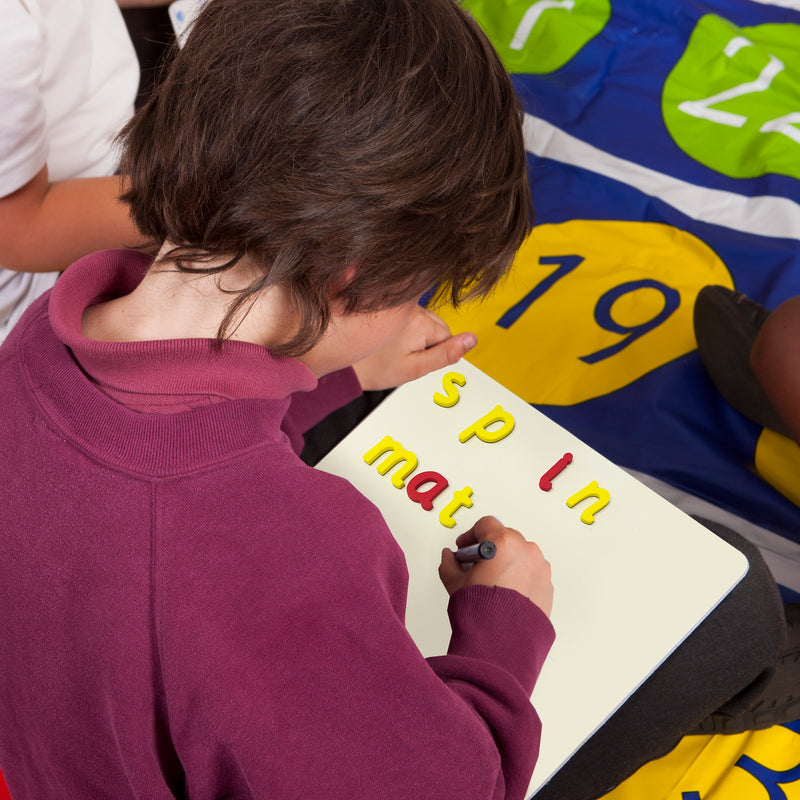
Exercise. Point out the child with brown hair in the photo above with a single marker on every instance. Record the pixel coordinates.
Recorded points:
(188, 609)
(197, 612)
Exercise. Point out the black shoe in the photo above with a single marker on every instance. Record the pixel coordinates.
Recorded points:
(780, 700)
(726, 323)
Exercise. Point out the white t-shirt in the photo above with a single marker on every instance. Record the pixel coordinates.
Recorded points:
(68, 78)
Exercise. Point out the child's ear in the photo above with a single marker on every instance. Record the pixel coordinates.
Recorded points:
(343, 280)
(348, 275)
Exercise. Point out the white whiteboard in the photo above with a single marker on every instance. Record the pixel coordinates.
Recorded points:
(629, 587)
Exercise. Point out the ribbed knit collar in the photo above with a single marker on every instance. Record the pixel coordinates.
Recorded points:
(175, 368)
(152, 444)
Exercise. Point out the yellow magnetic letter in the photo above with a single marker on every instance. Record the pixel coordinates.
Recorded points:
(448, 384)
(481, 427)
(398, 453)
(461, 498)
(590, 490)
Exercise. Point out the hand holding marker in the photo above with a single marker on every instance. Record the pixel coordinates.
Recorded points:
(514, 563)
(476, 552)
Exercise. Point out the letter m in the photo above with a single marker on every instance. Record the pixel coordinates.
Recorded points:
(397, 454)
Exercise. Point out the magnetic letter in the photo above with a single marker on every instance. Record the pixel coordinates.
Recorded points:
(461, 498)
(546, 481)
(481, 427)
(426, 498)
(398, 453)
(451, 397)
(590, 490)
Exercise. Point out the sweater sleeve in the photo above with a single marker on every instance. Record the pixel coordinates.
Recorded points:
(499, 643)
(486, 622)
(296, 676)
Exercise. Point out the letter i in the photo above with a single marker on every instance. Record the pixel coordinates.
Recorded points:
(546, 481)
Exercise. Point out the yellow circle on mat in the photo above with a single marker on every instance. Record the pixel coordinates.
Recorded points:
(756, 765)
(589, 306)
(778, 462)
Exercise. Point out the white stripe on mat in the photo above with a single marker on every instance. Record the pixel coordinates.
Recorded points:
(793, 4)
(764, 215)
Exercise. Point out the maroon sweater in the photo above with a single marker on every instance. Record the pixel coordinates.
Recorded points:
(187, 610)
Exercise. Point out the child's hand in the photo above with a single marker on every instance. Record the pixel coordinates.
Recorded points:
(518, 564)
(423, 345)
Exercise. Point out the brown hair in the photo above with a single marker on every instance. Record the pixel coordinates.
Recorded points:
(316, 135)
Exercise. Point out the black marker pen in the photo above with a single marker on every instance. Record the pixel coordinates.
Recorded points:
(476, 552)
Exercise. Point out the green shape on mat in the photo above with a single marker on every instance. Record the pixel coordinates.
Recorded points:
(732, 102)
(539, 37)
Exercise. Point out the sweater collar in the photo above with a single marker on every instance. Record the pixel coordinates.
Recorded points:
(147, 444)
(181, 369)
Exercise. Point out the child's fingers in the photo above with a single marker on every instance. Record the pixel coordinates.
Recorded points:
(467, 538)
(437, 329)
(451, 573)
(482, 530)
(443, 354)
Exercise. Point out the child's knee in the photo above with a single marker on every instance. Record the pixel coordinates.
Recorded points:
(775, 356)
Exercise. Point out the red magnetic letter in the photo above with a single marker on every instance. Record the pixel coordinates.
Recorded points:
(546, 481)
(426, 498)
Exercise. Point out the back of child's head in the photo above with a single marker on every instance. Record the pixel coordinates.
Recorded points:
(313, 136)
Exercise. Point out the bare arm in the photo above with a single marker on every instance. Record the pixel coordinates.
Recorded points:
(45, 226)
(141, 3)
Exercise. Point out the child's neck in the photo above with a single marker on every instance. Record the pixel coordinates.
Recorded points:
(169, 304)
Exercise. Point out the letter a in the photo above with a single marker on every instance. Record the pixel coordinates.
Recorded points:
(481, 427)
(426, 498)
